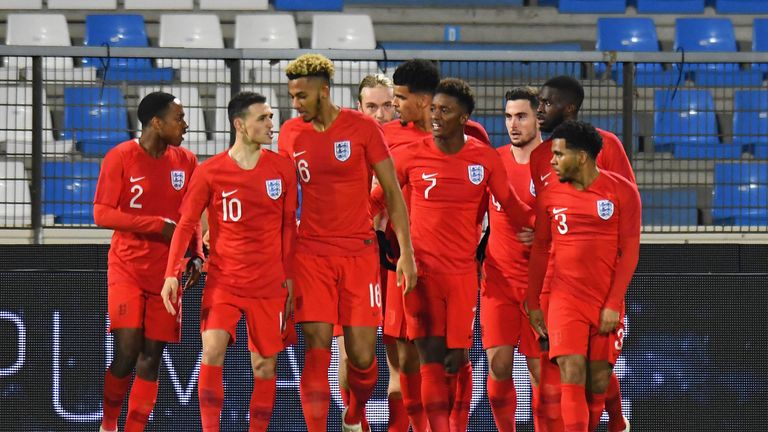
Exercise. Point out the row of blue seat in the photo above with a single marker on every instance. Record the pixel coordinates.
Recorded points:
(740, 195)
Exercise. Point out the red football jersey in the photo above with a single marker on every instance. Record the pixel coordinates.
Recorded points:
(595, 239)
(446, 194)
(335, 171)
(612, 158)
(398, 133)
(505, 251)
(138, 192)
(251, 219)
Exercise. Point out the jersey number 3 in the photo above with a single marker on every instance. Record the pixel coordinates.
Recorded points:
(562, 227)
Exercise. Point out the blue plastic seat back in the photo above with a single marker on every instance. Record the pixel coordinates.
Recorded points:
(117, 30)
(705, 35)
(741, 193)
(670, 6)
(626, 34)
(675, 206)
(93, 114)
(309, 5)
(741, 6)
(592, 6)
(760, 40)
(684, 116)
(750, 117)
(68, 190)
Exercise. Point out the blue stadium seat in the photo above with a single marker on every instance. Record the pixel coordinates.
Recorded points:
(695, 150)
(741, 194)
(593, 6)
(670, 6)
(96, 118)
(495, 70)
(705, 35)
(423, 3)
(68, 191)
(118, 30)
(760, 40)
(627, 34)
(671, 207)
(309, 5)
(730, 78)
(750, 118)
(684, 116)
(741, 6)
(496, 128)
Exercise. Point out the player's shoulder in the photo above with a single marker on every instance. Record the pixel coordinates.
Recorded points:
(292, 125)
(477, 130)
(184, 154)
(279, 160)
(504, 150)
(618, 181)
(215, 160)
(394, 126)
(609, 138)
(477, 146)
(125, 147)
(356, 119)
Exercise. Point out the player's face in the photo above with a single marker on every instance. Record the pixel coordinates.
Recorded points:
(564, 161)
(306, 96)
(409, 106)
(551, 110)
(256, 126)
(522, 125)
(448, 117)
(172, 125)
(376, 102)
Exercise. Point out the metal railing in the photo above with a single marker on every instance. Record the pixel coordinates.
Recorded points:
(697, 139)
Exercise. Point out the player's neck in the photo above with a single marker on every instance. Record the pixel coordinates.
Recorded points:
(587, 175)
(451, 145)
(522, 154)
(326, 116)
(425, 123)
(152, 145)
(246, 156)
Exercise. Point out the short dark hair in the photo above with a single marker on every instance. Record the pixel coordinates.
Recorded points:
(419, 75)
(239, 104)
(460, 90)
(568, 87)
(154, 105)
(579, 135)
(524, 93)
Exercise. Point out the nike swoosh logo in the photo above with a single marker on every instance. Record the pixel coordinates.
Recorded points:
(226, 194)
(428, 176)
(559, 210)
(297, 154)
(135, 179)
(544, 177)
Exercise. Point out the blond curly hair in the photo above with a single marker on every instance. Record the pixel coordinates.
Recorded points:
(310, 65)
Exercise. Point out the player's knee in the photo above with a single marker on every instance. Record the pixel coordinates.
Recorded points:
(599, 380)
(214, 356)
(454, 360)
(360, 358)
(501, 365)
(147, 366)
(573, 369)
(264, 368)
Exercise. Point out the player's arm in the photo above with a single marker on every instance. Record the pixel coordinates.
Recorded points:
(398, 216)
(195, 201)
(520, 213)
(107, 198)
(537, 267)
(628, 256)
(289, 240)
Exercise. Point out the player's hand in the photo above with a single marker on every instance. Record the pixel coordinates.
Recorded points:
(536, 316)
(406, 272)
(288, 310)
(525, 236)
(168, 229)
(385, 251)
(609, 321)
(170, 293)
(194, 270)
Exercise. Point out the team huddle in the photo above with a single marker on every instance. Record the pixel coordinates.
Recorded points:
(393, 200)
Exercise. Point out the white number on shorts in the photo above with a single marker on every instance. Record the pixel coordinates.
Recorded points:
(562, 227)
(138, 190)
(232, 209)
(303, 167)
(620, 341)
(375, 291)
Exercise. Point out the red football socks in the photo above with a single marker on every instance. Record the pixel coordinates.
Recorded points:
(503, 400)
(114, 392)
(459, 417)
(398, 419)
(596, 403)
(210, 393)
(262, 402)
(574, 406)
(361, 385)
(434, 396)
(410, 386)
(613, 406)
(314, 389)
(549, 391)
(140, 404)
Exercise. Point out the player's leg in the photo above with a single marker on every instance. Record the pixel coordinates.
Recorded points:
(462, 400)
(264, 391)
(573, 401)
(616, 420)
(210, 385)
(501, 386)
(435, 389)
(410, 384)
(398, 419)
(144, 390)
(531, 349)
(362, 370)
(604, 350)
(342, 372)
(599, 373)
(315, 391)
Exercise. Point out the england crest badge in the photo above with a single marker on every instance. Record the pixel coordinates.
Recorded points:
(274, 188)
(476, 174)
(177, 179)
(342, 150)
(604, 209)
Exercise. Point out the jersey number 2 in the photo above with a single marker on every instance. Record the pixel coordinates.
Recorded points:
(138, 190)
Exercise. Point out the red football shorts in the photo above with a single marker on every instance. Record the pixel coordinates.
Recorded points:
(130, 306)
(503, 320)
(573, 329)
(337, 289)
(394, 313)
(222, 310)
(443, 305)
